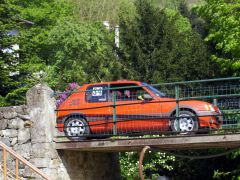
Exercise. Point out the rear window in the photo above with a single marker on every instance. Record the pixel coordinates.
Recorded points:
(98, 93)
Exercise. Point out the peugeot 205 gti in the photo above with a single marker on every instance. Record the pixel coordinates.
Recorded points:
(135, 106)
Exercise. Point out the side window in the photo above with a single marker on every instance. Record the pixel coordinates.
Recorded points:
(98, 93)
(127, 92)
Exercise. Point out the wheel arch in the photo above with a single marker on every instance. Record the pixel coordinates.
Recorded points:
(74, 115)
(173, 112)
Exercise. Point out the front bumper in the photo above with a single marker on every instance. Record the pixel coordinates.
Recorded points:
(219, 118)
(210, 117)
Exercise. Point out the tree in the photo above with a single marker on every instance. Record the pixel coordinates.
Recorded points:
(80, 52)
(20, 68)
(34, 40)
(64, 48)
(11, 72)
(222, 18)
(57, 48)
(99, 11)
(159, 45)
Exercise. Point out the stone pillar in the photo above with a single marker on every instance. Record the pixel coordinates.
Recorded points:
(62, 165)
(42, 113)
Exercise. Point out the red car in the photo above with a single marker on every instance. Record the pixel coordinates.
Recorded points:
(138, 108)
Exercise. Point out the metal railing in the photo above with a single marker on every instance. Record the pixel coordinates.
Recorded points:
(18, 159)
(107, 112)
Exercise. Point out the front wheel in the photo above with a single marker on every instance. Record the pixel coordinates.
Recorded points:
(76, 128)
(186, 123)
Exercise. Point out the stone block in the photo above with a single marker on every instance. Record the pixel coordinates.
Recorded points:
(41, 150)
(41, 162)
(50, 172)
(10, 162)
(29, 174)
(23, 135)
(14, 141)
(54, 163)
(9, 113)
(41, 131)
(16, 123)
(20, 109)
(1, 115)
(24, 117)
(3, 124)
(23, 149)
(5, 141)
(10, 133)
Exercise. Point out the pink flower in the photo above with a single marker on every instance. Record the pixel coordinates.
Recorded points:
(64, 95)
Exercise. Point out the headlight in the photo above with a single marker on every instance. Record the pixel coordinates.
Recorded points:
(209, 107)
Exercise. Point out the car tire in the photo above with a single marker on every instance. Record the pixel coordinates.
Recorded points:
(188, 123)
(76, 128)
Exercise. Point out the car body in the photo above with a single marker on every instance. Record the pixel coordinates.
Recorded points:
(131, 106)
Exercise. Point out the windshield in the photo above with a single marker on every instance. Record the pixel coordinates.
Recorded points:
(154, 90)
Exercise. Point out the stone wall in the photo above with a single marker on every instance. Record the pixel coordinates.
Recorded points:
(30, 130)
(14, 125)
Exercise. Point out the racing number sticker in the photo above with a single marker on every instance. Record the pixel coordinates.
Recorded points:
(97, 91)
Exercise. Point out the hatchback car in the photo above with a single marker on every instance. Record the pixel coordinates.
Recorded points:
(130, 107)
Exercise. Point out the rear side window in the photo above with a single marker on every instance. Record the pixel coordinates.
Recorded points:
(98, 93)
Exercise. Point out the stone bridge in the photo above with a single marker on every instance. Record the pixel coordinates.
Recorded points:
(30, 131)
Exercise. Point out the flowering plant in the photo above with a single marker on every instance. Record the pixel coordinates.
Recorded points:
(61, 97)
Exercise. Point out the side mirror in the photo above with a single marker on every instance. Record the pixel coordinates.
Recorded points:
(147, 97)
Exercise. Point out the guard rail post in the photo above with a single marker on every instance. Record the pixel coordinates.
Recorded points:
(177, 105)
(114, 114)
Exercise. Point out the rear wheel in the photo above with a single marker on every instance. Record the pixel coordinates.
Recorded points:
(76, 128)
(186, 123)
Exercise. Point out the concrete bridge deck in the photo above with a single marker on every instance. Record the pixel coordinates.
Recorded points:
(164, 143)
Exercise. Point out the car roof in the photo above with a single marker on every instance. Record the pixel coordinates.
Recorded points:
(115, 82)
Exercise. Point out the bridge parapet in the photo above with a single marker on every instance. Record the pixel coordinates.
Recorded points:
(132, 108)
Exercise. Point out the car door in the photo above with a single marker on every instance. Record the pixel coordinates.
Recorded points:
(97, 109)
(134, 113)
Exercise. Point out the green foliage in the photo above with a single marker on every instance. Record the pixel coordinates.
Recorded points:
(222, 18)
(9, 58)
(227, 175)
(230, 167)
(153, 164)
(79, 52)
(99, 11)
(159, 45)
(63, 48)
(34, 38)
(129, 165)
(182, 24)
(19, 68)
(17, 96)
